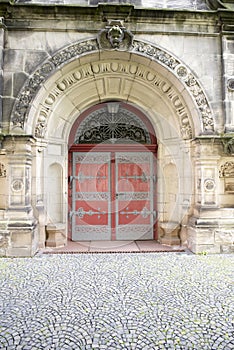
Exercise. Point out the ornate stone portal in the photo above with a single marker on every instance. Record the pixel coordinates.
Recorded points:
(148, 58)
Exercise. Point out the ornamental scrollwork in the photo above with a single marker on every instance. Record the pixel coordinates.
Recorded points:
(116, 37)
(227, 170)
(40, 75)
(112, 123)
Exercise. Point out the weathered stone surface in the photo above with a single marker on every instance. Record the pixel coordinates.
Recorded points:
(19, 80)
(7, 106)
(13, 60)
(33, 59)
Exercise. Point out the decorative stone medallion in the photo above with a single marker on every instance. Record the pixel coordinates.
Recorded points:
(209, 185)
(17, 185)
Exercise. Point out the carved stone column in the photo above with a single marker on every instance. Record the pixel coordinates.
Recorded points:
(18, 217)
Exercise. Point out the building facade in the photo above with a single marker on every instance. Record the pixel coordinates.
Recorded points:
(117, 123)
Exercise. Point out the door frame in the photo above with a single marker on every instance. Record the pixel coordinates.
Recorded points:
(111, 148)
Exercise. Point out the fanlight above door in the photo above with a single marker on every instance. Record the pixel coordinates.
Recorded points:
(112, 123)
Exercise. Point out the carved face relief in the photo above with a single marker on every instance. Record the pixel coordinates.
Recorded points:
(115, 35)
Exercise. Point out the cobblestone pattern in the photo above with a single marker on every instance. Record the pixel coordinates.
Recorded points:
(117, 301)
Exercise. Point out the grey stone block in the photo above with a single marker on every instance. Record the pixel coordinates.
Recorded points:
(7, 84)
(19, 80)
(33, 59)
(13, 60)
(7, 108)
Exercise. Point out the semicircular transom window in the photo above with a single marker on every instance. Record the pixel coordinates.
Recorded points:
(112, 123)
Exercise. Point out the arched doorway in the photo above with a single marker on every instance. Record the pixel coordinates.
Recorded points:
(112, 174)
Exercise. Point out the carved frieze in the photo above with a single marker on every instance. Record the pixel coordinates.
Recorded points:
(120, 39)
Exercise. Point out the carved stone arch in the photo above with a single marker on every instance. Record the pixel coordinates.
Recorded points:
(74, 55)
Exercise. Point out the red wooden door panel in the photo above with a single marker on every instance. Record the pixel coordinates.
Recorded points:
(112, 196)
(91, 219)
(134, 196)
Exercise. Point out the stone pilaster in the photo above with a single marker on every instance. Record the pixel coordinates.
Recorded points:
(2, 29)
(211, 226)
(228, 70)
(17, 219)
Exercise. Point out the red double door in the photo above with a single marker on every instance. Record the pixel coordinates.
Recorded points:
(113, 196)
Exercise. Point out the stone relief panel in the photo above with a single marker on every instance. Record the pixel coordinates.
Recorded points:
(72, 52)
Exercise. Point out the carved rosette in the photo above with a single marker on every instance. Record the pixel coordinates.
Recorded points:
(113, 37)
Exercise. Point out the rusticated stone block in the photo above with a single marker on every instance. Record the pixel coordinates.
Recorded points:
(224, 236)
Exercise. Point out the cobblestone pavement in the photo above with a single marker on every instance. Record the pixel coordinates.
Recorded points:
(117, 301)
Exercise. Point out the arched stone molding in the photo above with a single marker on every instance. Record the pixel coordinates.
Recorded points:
(98, 81)
(153, 57)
